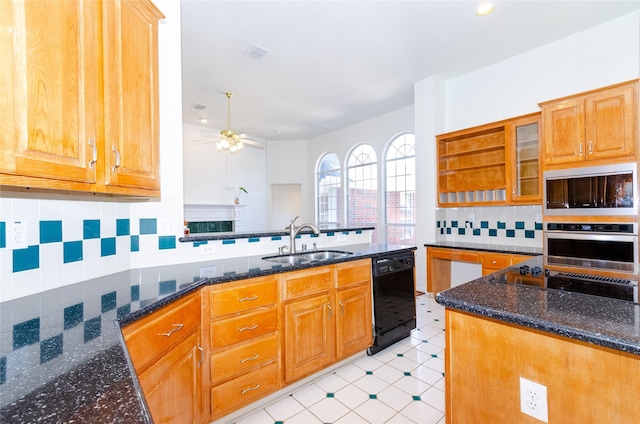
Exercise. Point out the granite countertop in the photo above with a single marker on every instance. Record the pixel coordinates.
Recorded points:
(250, 234)
(62, 355)
(597, 320)
(486, 247)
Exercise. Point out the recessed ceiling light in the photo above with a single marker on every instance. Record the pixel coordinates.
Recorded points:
(484, 9)
(203, 120)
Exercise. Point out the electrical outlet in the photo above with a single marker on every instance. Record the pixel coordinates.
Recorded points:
(342, 237)
(17, 235)
(533, 400)
(166, 227)
(207, 249)
(208, 271)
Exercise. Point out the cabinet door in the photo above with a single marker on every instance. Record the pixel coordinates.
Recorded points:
(309, 335)
(353, 320)
(611, 121)
(525, 157)
(131, 94)
(173, 385)
(563, 129)
(47, 51)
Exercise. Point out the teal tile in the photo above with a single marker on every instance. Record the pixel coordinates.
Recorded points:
(407, 374)
(50, 231)
(166, 242)
(26, 333)
(26, 259)
(135, 293)
(276, 238)
(254, 239)
(73, 315)
(71, 251)
(369, 372)
(91, 229)
(108, 302)
(3, 234)
(519, 225)
(167, 287)
(330, 395)
(108, 246)
(123, 227)
(529, 234)
(371, 396)
(92, 329)
(148, 226)
(135, 243)
(50, 348)
(228, 242)
(511, 233)
(415, 397)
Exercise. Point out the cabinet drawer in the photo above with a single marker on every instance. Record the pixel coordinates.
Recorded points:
(516, 259)
(156, 333)
(493, 261)
(302, 283)
(355, 272)
(244, 357)
(254, 293)
(458, 255)
(243, 390)
(247, 326)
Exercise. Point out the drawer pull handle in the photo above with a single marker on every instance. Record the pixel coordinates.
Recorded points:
(251, 389)
(244, 299)
(201, 361)
(176, 327)
(253, 327)
(253, 358)
(330, 311)
(117, 164)
(341, 309)
(94, 153)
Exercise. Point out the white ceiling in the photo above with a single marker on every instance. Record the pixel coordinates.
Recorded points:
(335, 63)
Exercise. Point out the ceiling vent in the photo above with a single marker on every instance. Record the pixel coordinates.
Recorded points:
(256, 52)
(198, 106)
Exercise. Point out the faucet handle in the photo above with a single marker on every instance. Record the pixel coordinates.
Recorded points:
(292, 225)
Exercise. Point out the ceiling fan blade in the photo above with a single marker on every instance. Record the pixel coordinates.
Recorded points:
(253, 143)
(206, 140)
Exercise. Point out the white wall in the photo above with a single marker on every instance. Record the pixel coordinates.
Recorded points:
(210, 175)
(603, 55)
(287, 164)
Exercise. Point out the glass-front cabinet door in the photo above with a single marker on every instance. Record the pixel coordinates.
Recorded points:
(526, 172)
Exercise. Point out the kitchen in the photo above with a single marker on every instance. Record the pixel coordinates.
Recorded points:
(533, 83)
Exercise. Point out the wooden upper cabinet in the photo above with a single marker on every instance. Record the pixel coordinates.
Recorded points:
(79, 104)
(131, 94)
(599, 126)
(495, 163)
(47, 107)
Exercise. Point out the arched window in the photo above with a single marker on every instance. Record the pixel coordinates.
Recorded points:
(362, 187)
(329, 192)
(400, 190)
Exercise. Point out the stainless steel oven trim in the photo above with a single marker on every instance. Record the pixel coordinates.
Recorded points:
(592, 171)
(583, 263)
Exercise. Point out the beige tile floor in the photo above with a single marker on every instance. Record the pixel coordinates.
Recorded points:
(401, 384)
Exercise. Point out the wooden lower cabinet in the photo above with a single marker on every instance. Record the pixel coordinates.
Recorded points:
(485, 359)
(166, 351)
(309, 334)
(353, 320)
(439, 264)
(243, 341)
(241, 391)
(172, 386)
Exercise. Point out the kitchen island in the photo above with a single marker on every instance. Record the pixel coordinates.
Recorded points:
(584, 349)
(62, 354)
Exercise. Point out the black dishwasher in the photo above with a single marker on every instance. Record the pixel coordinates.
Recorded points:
(394, 299)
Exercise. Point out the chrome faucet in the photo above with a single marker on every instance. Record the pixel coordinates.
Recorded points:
(293, 232)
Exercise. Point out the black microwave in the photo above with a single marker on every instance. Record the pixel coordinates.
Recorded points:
(597, 190)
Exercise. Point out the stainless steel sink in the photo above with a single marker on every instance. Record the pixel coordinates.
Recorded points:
(305, 257)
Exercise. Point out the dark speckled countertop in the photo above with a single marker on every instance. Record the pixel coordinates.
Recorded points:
(487, 247)
(597, 320)
(62, 356)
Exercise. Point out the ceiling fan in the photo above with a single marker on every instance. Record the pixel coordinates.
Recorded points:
(229, 141)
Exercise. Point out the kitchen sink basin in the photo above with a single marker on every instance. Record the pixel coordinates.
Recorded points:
(306, 257)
